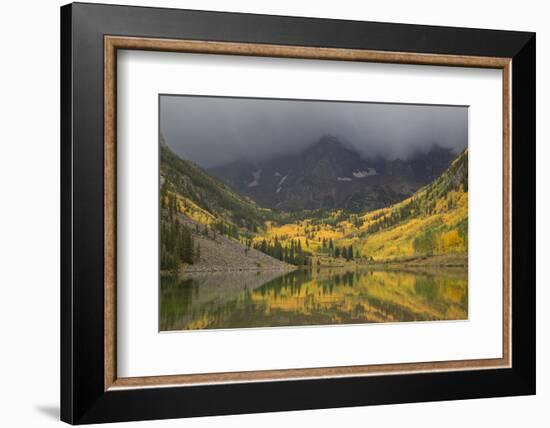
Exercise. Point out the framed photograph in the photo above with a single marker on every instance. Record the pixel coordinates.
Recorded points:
(266, 213)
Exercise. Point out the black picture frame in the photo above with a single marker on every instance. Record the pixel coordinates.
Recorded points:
(83, 398)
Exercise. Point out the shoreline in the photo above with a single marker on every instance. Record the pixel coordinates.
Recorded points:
(225, 269)
(453, 261)
(437, 261)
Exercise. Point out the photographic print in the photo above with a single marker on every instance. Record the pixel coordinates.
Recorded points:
(284, 212)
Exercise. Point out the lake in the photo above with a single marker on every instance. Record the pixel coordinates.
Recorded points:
(311, 297)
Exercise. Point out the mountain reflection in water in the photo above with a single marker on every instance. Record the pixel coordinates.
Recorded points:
(311, 297)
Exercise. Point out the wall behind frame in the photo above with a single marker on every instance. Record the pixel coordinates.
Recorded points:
(29, 226)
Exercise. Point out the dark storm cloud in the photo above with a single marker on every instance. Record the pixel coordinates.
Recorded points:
(211, 131)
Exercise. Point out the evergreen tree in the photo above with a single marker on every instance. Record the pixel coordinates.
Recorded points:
(177, 244)
(164, 193)
(198, 252)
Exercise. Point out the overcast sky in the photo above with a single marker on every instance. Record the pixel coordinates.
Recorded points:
(214, 130)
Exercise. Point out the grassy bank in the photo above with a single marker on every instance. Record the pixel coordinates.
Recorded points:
(441, 260)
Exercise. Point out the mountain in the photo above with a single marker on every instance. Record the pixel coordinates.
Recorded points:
(434, 221)
(206, 196)
(204, 224)
(207, 225)
(430, 226)
(330, 175)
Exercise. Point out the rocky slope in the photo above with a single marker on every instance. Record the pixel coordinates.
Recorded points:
(220, 253)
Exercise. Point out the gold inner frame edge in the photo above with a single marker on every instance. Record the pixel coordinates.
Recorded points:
(113, 43)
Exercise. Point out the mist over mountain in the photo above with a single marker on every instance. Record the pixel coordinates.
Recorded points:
(216, 131)
(329, 175)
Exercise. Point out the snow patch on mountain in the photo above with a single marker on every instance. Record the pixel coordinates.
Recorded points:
(366, 173)
(344, 179)
(279, 186)
(256, 178)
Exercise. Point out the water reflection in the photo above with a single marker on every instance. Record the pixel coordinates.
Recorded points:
(311, 297)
